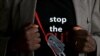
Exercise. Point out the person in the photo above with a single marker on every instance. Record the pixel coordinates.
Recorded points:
(83, 15)
(87, 14)
(19, 35)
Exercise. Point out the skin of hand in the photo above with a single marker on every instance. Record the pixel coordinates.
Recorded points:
(89, 44)
(32, 37)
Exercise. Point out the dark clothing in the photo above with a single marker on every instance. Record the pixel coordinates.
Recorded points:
(47, 9)
(14, 15)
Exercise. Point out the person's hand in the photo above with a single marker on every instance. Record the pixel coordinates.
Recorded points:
(84, 41)
(32, 37)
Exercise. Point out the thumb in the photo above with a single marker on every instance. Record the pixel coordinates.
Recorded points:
(77, 28)
(31, 26)
(35, 26)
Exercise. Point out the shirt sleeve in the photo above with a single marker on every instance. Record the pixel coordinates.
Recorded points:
(97, 38)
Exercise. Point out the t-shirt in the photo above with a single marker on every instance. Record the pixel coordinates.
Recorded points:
(57, 17)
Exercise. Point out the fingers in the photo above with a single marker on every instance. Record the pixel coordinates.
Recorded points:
(89, 44)
(32, 32)
(34, 44)
(33, 37)
(88, 48)
(34, 47)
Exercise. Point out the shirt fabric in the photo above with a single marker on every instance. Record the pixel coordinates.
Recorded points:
(47, 9)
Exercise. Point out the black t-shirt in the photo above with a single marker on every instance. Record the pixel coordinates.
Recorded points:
(56, 14)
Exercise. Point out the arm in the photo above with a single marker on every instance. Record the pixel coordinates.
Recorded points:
(14, 14)
(97, 39)
(88, 16)
(95, 26)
